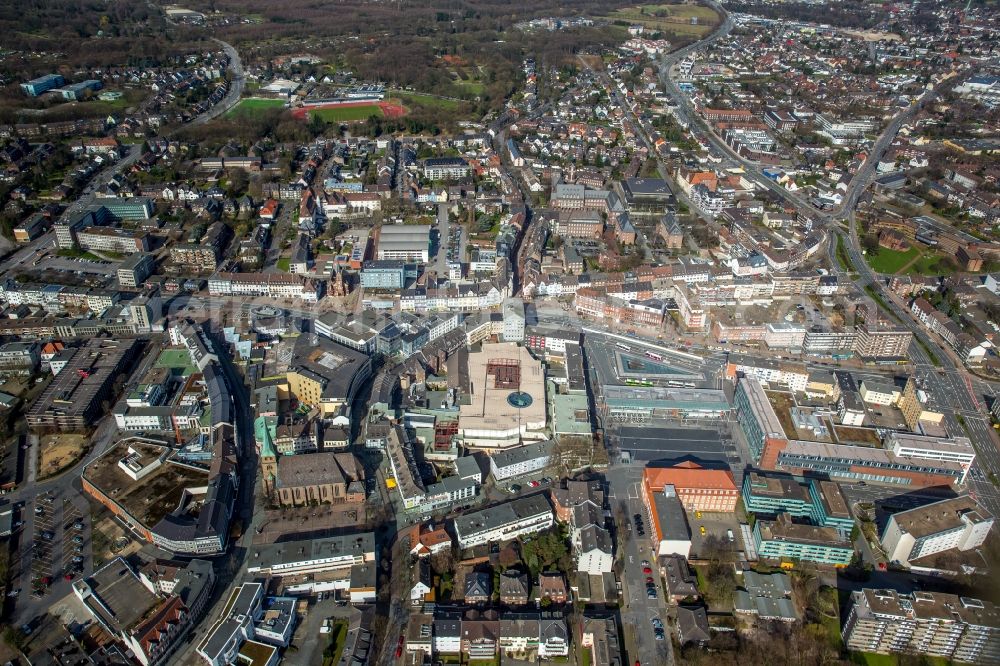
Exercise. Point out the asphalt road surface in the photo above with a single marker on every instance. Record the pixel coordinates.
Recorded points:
(638, 612)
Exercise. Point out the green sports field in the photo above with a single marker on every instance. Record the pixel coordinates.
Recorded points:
(254, 107)
(342, 114)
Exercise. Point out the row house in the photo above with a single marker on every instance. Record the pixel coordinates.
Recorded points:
(936, 321)
(738, 333)
(282, 191)
(485, 634)
(463, 298)
(971, 349)
(733, 115)
(273, 285)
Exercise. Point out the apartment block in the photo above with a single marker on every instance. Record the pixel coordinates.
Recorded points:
(520, 460)
(525, 515)
(195, 256)
(882, 341)
(953, 524)
(923, 623)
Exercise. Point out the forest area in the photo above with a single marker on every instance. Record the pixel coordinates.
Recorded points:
(403, 44)
(81, 34)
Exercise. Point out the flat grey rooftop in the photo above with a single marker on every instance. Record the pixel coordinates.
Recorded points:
(647, 443)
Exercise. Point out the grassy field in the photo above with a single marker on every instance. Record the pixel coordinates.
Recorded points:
(113, 104)
(829, 617)
(917, 260)
(889, 261)
(254, 107)
(283, 264)
(872, 659)
(931, 263)
(347, 113)
(474, 87)
(427, 100)
(74, 253)
(669, 18)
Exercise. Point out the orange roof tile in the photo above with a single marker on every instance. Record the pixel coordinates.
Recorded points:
(688, 475)
(434, 537)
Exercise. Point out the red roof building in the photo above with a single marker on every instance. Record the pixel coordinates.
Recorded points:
(430, 540)
(698, 488)
(269, 209)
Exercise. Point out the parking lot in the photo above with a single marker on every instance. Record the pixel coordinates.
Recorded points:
(717, 528)
(526, 483)
(52, 550)
(57, 542)
(81, 266)
(647, 443)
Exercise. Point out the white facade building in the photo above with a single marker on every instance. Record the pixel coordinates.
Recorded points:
(909, 445)
(520, 460)
(880, 393)
(513, 320)
(953, 524)
(504, 522)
